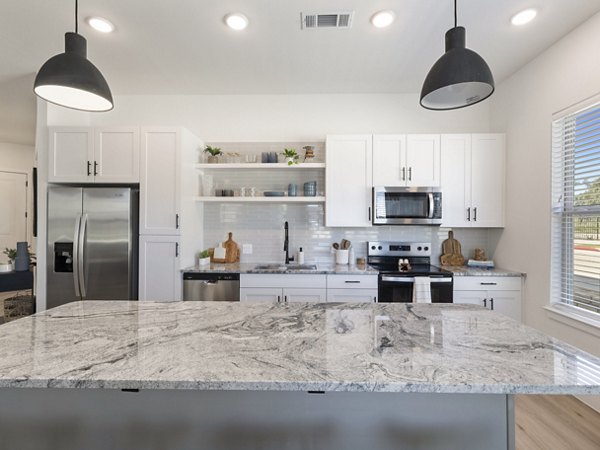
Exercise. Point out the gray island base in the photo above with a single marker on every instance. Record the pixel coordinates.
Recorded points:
(200, 375)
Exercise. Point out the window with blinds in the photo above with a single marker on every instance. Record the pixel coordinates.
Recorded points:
(576, 210)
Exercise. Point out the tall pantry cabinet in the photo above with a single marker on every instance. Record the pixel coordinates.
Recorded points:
(170, 219)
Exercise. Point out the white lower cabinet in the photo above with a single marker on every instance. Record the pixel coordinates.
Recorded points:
(160, 278)
(352, 288)
(501, 294)
(284, 288)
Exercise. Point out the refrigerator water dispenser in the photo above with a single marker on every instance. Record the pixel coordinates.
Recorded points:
(63, 257)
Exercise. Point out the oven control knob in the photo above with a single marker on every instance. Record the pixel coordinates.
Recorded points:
(426, 248)
(380, 248)
(372, 247)
(419, 248)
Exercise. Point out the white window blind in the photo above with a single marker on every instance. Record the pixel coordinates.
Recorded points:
(576, 210)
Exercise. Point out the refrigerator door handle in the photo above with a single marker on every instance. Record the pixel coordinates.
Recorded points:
(81, 255)
(76, 256)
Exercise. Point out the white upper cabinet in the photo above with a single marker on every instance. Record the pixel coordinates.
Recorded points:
(94, 155)
(71, 155)
(406, 160)
(117, 155)
(456, 180)
(472, 180)
(423, 160)
(389, 160)
(159, 181)
(488, 156)
(348, 180)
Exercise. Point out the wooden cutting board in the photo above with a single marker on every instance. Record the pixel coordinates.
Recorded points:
(232, 250)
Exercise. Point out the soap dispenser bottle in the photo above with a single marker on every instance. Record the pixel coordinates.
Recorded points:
(300, 258)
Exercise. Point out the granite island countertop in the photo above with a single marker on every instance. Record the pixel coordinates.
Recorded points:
(291, 347)
(254, 268)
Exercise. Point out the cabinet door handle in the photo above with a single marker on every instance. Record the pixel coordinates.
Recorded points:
(475, 214)
(404, 174)
(95, 168)
(285, 298)
(352, 281)
(369, 213)
(89, 168)
(410, 174)
(468, 214)
(177, 221)
(488, 284)
(492, 303)
(279, 299)
(485, 302)
(176, 249)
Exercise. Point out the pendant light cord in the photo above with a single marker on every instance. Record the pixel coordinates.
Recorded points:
(455, 15)
(76, 16)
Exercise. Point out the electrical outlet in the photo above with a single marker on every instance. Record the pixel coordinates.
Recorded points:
(247, 249)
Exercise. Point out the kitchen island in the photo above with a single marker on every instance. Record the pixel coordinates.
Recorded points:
(230, 375)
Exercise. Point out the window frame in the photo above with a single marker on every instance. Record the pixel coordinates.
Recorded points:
(563, 209)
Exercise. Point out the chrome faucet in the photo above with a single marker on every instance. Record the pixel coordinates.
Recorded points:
(286, 244)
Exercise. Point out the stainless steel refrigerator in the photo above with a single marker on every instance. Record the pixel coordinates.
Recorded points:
(92, 244)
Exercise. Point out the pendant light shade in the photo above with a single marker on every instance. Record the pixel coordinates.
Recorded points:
(459, 78)
(69, 79)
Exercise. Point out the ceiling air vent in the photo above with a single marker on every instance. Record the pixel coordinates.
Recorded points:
(327, 20)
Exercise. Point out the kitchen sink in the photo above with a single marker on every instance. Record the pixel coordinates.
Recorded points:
(286, 267)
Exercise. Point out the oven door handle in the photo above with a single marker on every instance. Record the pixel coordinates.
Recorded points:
(430, 205)
(412, 279)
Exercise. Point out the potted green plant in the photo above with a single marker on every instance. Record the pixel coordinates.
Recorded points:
(291, 156)
(213, 154)
(11, 254)
(204, 258)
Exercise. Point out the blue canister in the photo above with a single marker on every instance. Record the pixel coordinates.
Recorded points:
(264, 157)
(310, 189)
(22, 259)
(292, 190)
(272, 157)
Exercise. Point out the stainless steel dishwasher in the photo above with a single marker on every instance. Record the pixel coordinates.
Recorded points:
(211, 287)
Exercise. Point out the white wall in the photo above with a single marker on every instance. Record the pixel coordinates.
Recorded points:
(20, 158)
(565, 74)
(290, 117)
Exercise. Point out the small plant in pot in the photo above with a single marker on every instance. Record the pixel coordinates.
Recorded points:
(11, 254)
(291, 156)
(213, 154)
(204, 258)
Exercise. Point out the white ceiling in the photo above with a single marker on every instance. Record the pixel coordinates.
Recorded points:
(182, 46)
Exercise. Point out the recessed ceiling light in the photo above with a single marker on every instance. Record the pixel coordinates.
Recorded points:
(236, 21)
(523, 17)
(100, 24)
(383, 19)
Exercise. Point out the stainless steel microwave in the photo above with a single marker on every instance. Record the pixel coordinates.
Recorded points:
(407, 206)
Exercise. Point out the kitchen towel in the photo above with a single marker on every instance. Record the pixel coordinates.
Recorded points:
(422, 290)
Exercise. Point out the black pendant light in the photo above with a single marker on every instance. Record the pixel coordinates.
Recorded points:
(69, 79)
(459, 78)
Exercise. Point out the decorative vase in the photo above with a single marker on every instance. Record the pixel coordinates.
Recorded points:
(22, 259)
(213, 159)
(289, 161)
(204, 261)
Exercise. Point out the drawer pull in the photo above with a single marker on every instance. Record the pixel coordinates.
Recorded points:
(352, 281)
(488, 284)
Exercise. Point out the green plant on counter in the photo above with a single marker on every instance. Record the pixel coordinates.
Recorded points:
(292, 155)
(204, 254)
(213, 151)
(11, 253)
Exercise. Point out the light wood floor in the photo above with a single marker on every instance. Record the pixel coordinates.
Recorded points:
(548, 422)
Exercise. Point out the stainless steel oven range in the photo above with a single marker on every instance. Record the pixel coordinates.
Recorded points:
(396, 286)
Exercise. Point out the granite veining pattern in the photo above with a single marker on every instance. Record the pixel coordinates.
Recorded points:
(294, 347)
(322, 269)
(465, 271)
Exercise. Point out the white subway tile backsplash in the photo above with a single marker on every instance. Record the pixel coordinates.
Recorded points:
(262, 226)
